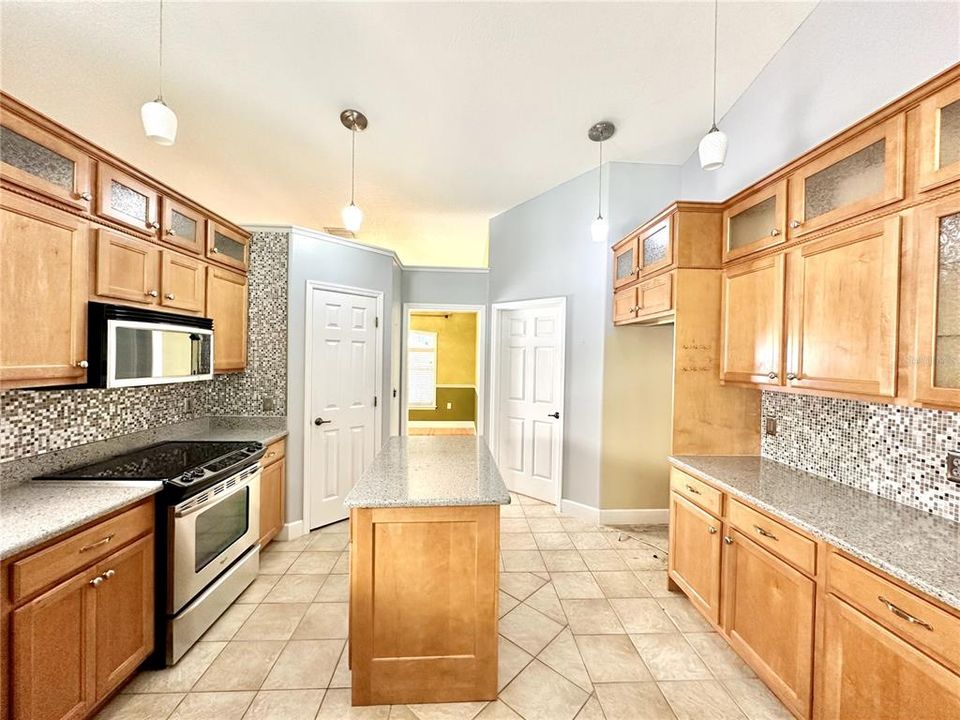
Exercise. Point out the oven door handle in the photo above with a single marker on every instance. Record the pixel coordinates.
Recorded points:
(191, 509)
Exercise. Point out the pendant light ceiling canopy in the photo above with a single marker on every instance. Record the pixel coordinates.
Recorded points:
(356, 122)
(599, 133)
(159, 121)
(713, 147)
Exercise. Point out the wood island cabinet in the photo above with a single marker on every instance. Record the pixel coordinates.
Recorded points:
(695, 547)
(272, 481)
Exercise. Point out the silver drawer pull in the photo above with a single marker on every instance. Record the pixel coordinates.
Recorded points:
(711, 529)
(98, 543)
(97, 581)
(109, 574)
(904, 615)
(765, 533)
(692, 489)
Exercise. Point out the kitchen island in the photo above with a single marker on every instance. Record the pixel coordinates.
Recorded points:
(424, 573)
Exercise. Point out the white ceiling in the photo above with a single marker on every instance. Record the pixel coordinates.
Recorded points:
(473, 107)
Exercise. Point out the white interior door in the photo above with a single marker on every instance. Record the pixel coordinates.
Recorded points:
(343, 367)
(529, 432)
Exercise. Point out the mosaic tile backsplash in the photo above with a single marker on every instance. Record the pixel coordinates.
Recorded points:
(892, 451)
(38, 421)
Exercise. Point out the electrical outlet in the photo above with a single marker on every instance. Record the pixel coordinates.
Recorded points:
(449, 406)
(189, 405)
(953, 467)
(770, 426)
(268, 403)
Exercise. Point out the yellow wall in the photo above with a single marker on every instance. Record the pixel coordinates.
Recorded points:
(456, 345)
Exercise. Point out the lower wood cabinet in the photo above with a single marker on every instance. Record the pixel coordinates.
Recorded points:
(272, 480)
(694, 559)
(227, 307)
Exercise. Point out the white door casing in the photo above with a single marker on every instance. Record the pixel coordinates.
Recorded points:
(527, 395)
(342, 418)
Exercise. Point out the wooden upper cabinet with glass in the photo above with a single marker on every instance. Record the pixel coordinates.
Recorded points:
(227, 247)
(939, 143)
(124, 199)
(182, 226)
(756, 222)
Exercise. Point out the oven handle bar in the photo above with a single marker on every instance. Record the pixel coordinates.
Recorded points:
(217, 499)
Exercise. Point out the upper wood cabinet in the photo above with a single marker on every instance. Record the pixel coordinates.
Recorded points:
(625, 265)
(843, 310)
(183, 282)
(227, 307)
(756, 222)
(625, 305)
(655, 246)
(37, 159)
(862, 174)
(939, 151)
(227, 247)
(182, 226)
(752, 327)
(937, 370)
(44, 285)
(125, 200)
(694, 558)
(127, 268)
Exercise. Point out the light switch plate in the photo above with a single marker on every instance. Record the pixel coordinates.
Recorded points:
(953, 467)
(770, 426)
(268, 403)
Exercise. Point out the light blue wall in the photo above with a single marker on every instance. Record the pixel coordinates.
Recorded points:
(844, 62)
(456, 287)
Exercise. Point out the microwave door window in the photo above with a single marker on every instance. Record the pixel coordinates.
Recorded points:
(134, 353)
(177, 354)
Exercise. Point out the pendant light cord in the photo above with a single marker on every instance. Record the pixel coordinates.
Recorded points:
(161, 51)
(353, 161)
(716, 14)
(600, 184)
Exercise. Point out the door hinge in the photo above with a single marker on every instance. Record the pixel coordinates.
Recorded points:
(374, 400)
(376, 322)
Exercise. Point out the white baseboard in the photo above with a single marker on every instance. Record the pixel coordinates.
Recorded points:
(441, 424)
(635, 516)
(580, 511)
(290, 531)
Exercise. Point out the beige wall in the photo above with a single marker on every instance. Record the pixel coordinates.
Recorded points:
(637, 407)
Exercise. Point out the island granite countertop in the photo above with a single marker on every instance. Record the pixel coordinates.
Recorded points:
(430, 471)
(922, 550)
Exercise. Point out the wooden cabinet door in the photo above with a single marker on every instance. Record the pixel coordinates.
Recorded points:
(755, 223)
(124, 613)
(127, 268)
(937, 371)
(39, 160)
(124, 199)
(752, 322)
(844, 311)
(44, 285)
(227, 247)
(868, 673)
(769, 618)
(182, 226)
(625, 304)
(694, 558)
(271, 501)
(626, 266)
(53, 656)
(227, 307)
(655, 247)
(655, 296)
(939, 152)
(862, 174)
(182, 281)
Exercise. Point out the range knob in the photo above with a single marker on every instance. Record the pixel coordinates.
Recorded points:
(197, 472)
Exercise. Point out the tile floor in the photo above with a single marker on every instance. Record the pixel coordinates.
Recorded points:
(588, 631)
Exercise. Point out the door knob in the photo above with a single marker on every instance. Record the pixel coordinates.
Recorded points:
(320, 421)
(554, 415)
(772, 375)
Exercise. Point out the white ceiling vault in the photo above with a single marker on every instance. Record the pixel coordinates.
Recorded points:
(473, 107)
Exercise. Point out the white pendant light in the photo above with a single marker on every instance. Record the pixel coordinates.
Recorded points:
(713, 147)
(356, 122)
(159, 121)
(600, 228)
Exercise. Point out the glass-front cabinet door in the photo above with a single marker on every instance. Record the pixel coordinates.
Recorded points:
(626, 268)
(182, 226)
(655, 247)
(938, 303)
(40, 161)
(227, 247)
(860, 175)
(940, 138)
(124, 199)
(755, 223)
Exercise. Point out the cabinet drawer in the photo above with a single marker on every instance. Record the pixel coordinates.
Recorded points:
(41, 569)
(696, 491)
(275, 451)
(777, 537)
(916, 620)
(655, 296)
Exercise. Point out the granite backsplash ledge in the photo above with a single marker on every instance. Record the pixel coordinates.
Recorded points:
(892, 451)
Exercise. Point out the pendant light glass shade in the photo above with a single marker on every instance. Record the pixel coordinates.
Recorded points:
(713, 149)
(352, 217)
(159, 122)
(599, 230)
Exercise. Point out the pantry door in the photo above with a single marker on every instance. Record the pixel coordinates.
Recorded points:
(527, 433)
(341, 404)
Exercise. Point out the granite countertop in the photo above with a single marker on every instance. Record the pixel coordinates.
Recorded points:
(430, 471)
(922, 550)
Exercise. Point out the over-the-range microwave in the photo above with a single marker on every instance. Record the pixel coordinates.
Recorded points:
(127, 346)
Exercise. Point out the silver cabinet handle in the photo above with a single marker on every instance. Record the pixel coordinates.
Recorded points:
(904, 615)
(794, 224)
(171, 231)
(170, 296)
(216, 251)
(791, 376)
(154, 224)
(98, 543)
(109, 574)
(82, 364)
(772, 375)
(85, 196)
(692, 489)
(711, 529)
(151, 293)
(728, 540)
(97, 581)
(774, 232)
(765, 533)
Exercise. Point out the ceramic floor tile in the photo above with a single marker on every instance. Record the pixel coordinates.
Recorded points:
(295, 588)
(342, 527)
(517, 541)
(402, 712)
(544, 524)
(670, 657)
(336, 706)
(318, 562)
(577, 525)
(284, 705)
(612, 658)
(219, 705)
(273, 621)
(512, 659)
(343, 564)
(684, 615)
(506, 603)
(522, 561)
(642, 615)
(341, 676)
(336, 588)
(240, 666)
(603, 560)
(717, 655)
(634, 701)
(539, 693)
(447, 711)
(589, 540)
(656, 582)
(527, 500)
(520, 585)
(323, 621)
(620, 584)
(336, 542)
(140, 707)
(643, 558)
(591, 710)
(258, 589)
(553, 541)
(696, 699)
(227, 624)
(546, 601)
(498, 710)
(591, 617)
(563, 561)
(511, 511)
(540, 511)
(563, 656)
(575, 585)
(304, 664)
(514, 525)
(276, 563)
(182, 676)
(529, 629)
(297, 545)
(756, 701)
